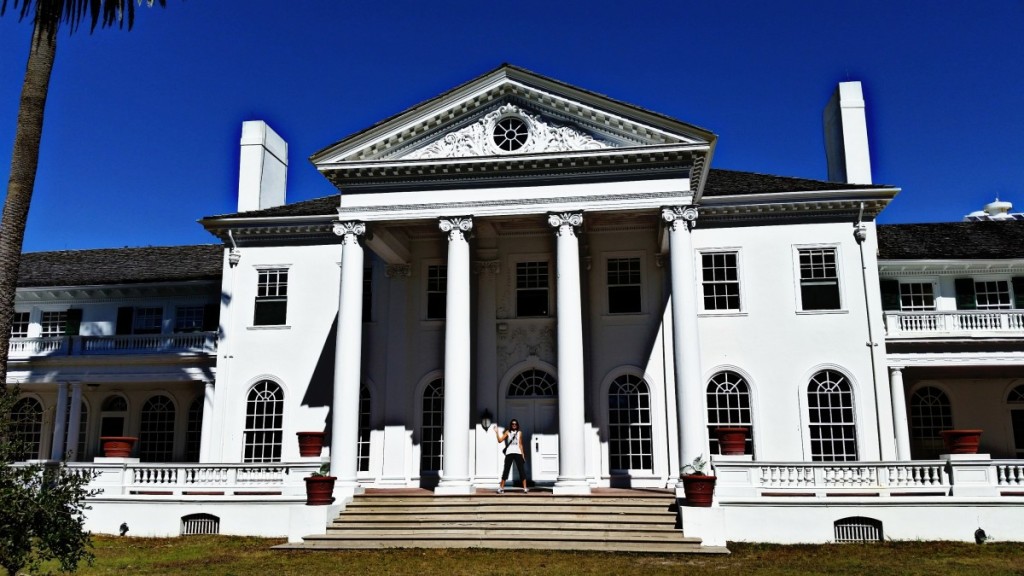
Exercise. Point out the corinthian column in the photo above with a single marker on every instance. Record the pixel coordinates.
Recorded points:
(455, 464)
(348, 360)
(691, 426)
(572, 474)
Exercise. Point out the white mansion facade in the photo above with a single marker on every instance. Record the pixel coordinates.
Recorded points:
(520, 248)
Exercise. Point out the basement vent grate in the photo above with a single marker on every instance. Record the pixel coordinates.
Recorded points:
(200, 524)
(858, 529)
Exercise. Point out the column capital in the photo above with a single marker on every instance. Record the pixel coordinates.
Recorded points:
(565, 222)
(897, 368)
(456, 227)
(677, 216)
(400, 271)
(488, 266)
(349, 231)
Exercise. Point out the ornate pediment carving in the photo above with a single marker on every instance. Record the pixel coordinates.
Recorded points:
(508, 130)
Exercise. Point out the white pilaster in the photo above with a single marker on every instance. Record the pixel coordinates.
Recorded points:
(457, 346)
(206, 432)
(572, 476)
(899, 412)
(59, 422)
(348, 361)
(74, 422)
(692, 429)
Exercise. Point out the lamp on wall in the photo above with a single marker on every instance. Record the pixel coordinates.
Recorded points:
(485, 419)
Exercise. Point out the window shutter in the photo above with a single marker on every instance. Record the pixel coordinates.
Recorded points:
(1018, 292)
(125, 319)
(73, 325)
(211, 317)
(890, 294)
(965, 294)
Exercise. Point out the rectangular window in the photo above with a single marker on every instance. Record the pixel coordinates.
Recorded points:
(148, 320)
(624, 286)
(437, 291)
(916, 296)
(189, 318)
(19, 325)
(992, 295)
(531, 289)
(271, 297)
(721, 281)
(53, 323)
(819, 279)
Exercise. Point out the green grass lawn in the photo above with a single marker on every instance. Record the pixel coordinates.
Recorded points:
(195, 555)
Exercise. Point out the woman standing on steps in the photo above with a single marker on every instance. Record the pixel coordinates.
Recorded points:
(513, 450)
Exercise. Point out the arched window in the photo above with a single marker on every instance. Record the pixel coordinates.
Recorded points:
(1016, 401)
(156, 430)
(729, 405)
(833, 428)
(194, 429)
(27, 427)
(432, 430)
(533, 382)
(364, 428)
(629, 424)
(264, 423)
(114, 416)
(930, 413)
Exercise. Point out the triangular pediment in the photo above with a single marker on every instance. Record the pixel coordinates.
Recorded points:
(510, 112)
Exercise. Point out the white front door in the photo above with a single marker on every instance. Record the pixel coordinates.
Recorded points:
(538, 419)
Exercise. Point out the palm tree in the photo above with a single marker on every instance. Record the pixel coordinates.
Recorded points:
(47, 17)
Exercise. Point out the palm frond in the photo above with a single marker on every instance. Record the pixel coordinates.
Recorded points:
(49, 15)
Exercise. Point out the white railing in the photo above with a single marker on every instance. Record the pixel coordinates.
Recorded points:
(147, 480)
(954, 323)
(822, 479)
(147, 343)
(193, 342)
(46, 346)
(1010, 473)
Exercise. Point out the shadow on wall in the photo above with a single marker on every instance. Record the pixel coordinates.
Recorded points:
(320, 391)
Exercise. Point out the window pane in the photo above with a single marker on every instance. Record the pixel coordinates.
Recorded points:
(720, 286)
(629, 431)
(437, 292)
(819, 279)
(531, 289)
(271, 307)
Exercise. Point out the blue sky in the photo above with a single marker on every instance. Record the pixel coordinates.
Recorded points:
(142, 127)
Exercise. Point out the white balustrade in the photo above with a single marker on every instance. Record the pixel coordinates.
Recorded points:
(46, 346)
(954, 323)
(1010, 473)
(821, 479)
(150, 343)
(202, 480)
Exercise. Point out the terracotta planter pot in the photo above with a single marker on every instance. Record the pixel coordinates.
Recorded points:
(732, 441)
(699, 489)
(319, 490)
(961, 441)
(310, 443)
(118, 446)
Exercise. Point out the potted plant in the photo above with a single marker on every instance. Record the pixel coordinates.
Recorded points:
(961, 441)
(118, 446)
(732, 440)
(310, 443)
(698, 487)
(320, 487)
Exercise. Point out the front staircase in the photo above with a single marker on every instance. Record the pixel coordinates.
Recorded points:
(639, 522)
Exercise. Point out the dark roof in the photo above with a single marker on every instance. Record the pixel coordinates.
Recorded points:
(720, 183)
(951, 240)
(733, 182)
(121, 265)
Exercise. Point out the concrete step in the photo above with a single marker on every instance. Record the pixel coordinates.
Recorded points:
(531, 521)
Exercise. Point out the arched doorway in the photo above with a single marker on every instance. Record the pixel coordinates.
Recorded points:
(532, 399)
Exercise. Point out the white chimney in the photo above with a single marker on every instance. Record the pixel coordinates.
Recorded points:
(263, 167)
(846, 136)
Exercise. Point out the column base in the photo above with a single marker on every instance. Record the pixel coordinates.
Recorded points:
(567, 486)
(454, 488)
(345, 491)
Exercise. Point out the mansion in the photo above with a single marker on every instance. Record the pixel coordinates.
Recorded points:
(521, 248)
